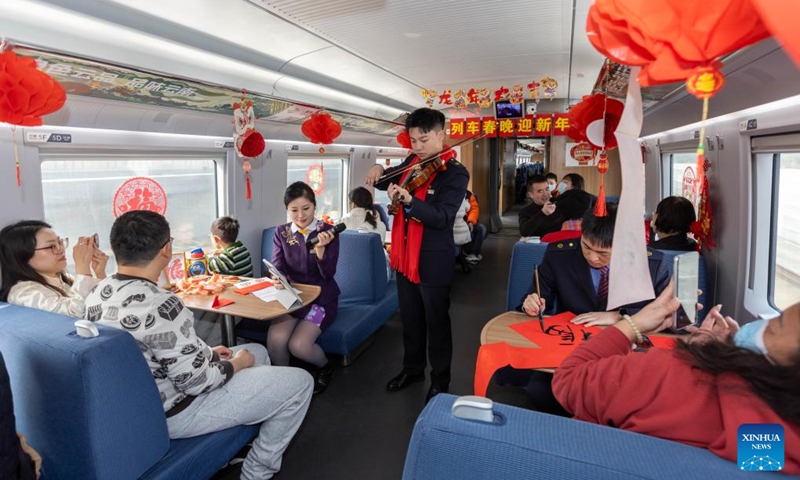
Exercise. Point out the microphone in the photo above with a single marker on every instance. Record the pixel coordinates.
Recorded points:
(337, 229)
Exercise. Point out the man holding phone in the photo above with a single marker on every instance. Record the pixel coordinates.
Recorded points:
(540, 217)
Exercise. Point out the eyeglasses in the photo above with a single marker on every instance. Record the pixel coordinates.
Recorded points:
(60, 245)
(171, 239)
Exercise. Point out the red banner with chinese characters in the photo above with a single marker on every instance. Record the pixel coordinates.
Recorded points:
(544, 125)
(473, 127)
(525, 126)
(560, 124)
(489, 127)
(457, 128)
(506, 127)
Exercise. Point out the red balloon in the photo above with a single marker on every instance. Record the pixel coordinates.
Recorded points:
(591, 109)
(669, 39)
(321, 128)
(26, 93)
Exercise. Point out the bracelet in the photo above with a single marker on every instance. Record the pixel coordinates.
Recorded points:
(635, 329)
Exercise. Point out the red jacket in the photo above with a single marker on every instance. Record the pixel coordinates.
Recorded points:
(657, 394)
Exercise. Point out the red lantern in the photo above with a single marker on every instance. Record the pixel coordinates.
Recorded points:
(321, 129)
(252, 144)
(591, 109)
(780, 18)
(404, 139)
(671, 38)
(26, 93)
(705, 82)
(602, 164)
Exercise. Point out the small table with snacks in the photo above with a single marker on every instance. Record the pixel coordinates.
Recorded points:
(247, 306)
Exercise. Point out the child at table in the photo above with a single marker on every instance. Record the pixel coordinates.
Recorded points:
(231, 257)
(297, 332)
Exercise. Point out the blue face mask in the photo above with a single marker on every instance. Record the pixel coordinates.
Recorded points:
(751, 337)
(562, 187)
(550, 187)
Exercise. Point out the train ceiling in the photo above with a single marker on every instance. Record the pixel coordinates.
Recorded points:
(369, 57)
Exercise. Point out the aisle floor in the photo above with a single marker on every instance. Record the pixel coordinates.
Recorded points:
(358, 430)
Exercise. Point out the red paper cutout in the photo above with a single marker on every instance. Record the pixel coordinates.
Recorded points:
(220, 302)
(139, 193)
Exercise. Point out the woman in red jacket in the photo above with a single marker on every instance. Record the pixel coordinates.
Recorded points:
(700, 392)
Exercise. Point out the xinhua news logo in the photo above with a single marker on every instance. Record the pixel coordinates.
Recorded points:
(760, 447)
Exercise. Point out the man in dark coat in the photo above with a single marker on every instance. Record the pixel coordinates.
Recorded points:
(423, 251)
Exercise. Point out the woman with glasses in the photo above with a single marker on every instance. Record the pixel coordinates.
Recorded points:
(33, 262)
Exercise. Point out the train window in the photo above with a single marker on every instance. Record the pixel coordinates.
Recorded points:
(380, 195)
(682, 172)
(79, 196)
(785, 267)
(326, 177)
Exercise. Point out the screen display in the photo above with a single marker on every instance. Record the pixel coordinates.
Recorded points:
(506, 109)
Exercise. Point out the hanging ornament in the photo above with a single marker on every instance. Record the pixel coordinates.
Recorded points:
(702, 228)
(321, 129)
(550, 85)
(429, 96)
(533, 89)
(600, 205)
(586, 120)
(460, 100)
(671, 38)
(25, 95)
(246, 140)
(404, 139)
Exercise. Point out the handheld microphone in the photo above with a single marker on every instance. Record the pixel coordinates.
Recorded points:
(337, 229)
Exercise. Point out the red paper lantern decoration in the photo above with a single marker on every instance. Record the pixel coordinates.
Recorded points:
(26, 93)
(591, 109)
(669, 39)
(321, 129)
(252, 144)
(404, 139)
(705, 82)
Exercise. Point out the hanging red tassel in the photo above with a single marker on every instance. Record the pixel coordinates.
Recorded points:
(600, 206)
(247, 183)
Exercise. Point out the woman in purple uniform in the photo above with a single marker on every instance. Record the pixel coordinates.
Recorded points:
(297, 332)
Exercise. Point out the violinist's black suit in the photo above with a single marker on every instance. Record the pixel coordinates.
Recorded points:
(424, 306)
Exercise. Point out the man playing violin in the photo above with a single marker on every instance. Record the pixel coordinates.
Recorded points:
(423, 251)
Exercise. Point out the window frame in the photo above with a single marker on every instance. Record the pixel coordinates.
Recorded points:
(772, 271)
(112, 154)
(345, 158)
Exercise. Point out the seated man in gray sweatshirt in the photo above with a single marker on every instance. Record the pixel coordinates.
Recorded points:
(188, 373)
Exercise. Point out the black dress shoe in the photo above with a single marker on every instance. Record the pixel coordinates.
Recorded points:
(322, 378)
(403, 380)
(436, 390)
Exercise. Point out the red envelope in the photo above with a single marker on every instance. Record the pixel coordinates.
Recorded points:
(220, 302)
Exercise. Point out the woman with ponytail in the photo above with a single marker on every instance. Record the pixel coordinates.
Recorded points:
(362, 215)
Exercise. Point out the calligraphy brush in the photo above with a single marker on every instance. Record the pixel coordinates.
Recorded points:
(539, 293)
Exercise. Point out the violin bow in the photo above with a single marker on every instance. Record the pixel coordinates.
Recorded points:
(423, 162)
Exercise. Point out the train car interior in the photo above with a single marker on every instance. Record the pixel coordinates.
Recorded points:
(202, 110)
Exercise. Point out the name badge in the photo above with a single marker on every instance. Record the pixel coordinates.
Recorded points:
(430, 191)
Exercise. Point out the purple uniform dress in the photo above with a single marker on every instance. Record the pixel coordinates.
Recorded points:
(293, 259)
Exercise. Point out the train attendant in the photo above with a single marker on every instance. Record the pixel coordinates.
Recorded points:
(422, 250)
(719, 378)
(297, 332)
(33, 260)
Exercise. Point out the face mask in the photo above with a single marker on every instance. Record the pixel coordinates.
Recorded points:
(550, 187)
(562, 187)
(751, 337)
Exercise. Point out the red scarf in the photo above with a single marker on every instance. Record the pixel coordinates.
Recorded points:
(405, 251)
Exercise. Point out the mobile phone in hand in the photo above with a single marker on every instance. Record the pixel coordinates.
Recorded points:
(686, 269)
(96, 239)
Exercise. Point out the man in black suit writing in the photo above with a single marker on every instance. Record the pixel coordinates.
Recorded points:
(423, 251)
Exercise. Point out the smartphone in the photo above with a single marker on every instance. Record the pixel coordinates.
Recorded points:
(96, 238)
(686, 270)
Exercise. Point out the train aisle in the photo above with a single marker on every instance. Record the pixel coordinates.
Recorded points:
(358, 430)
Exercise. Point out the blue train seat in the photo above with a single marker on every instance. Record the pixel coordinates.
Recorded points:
(91, 409)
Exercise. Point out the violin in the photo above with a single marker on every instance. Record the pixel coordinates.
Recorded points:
(416, 179)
